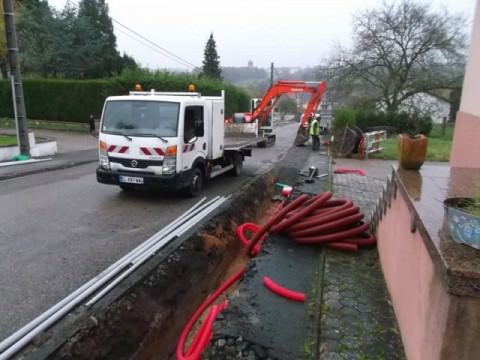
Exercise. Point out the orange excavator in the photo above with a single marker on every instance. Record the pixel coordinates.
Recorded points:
(261, 113)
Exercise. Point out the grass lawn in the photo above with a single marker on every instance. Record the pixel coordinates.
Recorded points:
(438, 146)
(6, 123)
(6, 140)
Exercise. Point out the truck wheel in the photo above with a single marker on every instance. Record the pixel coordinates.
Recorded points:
(196, 184)
(271, 140)
(262, 144)
(237, 165)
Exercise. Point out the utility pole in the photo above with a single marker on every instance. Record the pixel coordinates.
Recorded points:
(271, 74)
(12, 46)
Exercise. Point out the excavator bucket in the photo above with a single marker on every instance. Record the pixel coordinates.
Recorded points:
(302, 136)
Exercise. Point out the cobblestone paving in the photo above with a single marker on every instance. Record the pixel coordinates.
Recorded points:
(357, 321)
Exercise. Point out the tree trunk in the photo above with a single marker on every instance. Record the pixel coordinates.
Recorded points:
(455, 95)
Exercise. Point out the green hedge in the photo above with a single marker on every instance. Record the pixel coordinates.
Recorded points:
(343, 117)
(401, 121)
(75, 100)
(366, 119)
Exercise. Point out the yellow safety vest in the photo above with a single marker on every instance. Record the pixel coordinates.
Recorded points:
(314, 128)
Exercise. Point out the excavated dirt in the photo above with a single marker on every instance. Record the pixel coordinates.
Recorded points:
(146, 321)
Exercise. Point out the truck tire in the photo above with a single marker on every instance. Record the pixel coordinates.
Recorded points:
(262, 144)
(196, 183)
(237, 165)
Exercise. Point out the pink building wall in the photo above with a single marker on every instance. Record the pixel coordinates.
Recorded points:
(466, 147)
(418, 296)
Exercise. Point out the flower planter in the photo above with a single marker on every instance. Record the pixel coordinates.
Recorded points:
(412, 151)
(464, 227)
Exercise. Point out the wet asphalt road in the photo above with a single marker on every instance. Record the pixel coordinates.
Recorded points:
(59, 229)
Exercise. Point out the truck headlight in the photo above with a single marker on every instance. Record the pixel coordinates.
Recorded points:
(170, 160)
(103, 156)
(104, 162)
(169, 165)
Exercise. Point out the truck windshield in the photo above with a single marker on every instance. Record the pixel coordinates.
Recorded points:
(141, 118)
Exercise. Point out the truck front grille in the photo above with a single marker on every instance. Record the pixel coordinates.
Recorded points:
(140, 164)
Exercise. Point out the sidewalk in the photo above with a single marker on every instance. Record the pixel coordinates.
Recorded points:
(73, 149)
(357, 320)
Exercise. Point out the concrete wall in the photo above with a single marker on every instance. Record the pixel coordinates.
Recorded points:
(46, 148)
(433, 323)
(465, 147)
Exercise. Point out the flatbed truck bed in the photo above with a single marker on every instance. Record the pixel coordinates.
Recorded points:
(240, 141)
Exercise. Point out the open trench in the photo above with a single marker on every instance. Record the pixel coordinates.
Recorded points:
(144, 318)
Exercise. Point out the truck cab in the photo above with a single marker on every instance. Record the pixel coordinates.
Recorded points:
(167, 140)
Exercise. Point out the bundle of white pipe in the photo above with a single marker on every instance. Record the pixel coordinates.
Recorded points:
(115, 272)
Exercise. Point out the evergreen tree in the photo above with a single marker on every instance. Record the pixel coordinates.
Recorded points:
(211, 60)
(36, 36)
(97, 39)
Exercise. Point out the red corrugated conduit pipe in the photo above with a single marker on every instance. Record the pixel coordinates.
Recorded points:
(314, 220)
(204, 334)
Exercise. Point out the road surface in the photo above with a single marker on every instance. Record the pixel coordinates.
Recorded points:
(59, 229)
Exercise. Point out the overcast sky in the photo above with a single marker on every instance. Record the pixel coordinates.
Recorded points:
(295, 33)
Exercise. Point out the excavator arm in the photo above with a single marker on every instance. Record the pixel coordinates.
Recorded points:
(313, 102)
(273, 94)
(311, 108)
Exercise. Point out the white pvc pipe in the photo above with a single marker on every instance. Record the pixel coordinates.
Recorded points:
(17, 346)
(114, 267)
(142, 258)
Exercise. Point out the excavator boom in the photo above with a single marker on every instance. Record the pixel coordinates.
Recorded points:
(311, 108)
(273, 94)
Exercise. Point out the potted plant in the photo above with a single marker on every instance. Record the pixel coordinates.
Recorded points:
(463, 218)
(412, 150)
(413, 144)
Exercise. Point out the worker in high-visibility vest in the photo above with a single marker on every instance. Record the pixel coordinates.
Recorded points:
(315, 134)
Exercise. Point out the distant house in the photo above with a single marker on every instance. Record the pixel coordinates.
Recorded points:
(427, 103)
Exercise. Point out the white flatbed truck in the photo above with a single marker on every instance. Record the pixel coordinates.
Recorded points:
(168, 140)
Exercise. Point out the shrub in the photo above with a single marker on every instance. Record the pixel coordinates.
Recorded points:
(393, 121)
(367, 118)
(75, 100)
(423, 125)
(344, 117)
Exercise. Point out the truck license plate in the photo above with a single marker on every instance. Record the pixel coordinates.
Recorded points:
(130, 179)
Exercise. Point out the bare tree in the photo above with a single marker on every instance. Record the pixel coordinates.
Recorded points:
(402, 49)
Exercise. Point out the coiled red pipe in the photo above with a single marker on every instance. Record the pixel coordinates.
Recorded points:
(323, 218)
(362, 242)
(273, 220)
(300, 213)
(332, 225)
(253, 228)
(341, 235)
(316, 220)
